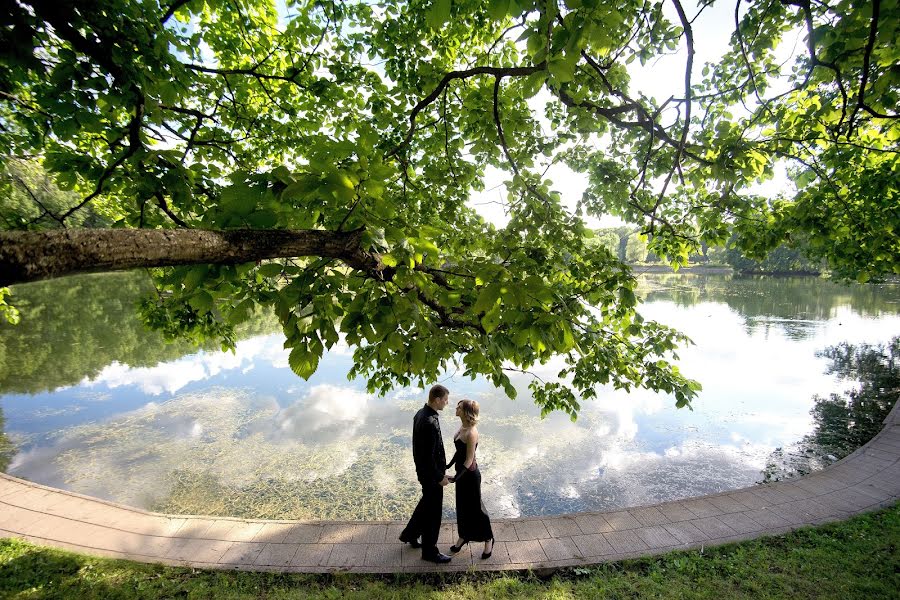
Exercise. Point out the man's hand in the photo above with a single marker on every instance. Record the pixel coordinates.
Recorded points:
(444, 481)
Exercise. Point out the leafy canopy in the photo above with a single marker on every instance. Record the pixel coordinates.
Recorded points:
(382, 116)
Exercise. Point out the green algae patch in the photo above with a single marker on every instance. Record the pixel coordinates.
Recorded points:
(230, 453)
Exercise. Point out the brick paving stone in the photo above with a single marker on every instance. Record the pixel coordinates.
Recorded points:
(166, 527)
(219, 530)
(194, 528)
(531, 530)
(767, 518)
(47, 526)
(499, 556)
(793, 491)
(686, 532)
(874, 493)
(504, 531)
(467, 554)
(625, 541)
(276, 555)
(835, 504)
(133, 543)
(799, 512)
(622, 520)
(347, 555)
(847, 474)
(337, 533)
(819, 484)
(562, 548)
(303, 533)
(882, 454)
(726, 504)
(656, 536)
(198, 550)
(393, 530)
(858, 500)
(370, 534)
(592, 545)
(700, 507)
(383, 555)
(675, 512)
(18, 519)
(750, 500)
(447, 534)
(39, 500)
(242, 553)
(592, 523)
(525, 552)
(771, 494)
(561, 527)
(244, 532)
(312, 555)
(740, 523)
(649, 515)
(713, 527)
(411, 557)
(890, 489)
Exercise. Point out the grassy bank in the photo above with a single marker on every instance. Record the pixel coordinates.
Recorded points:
(859, 558)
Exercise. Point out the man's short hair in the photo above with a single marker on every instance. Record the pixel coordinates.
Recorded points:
(437, 391)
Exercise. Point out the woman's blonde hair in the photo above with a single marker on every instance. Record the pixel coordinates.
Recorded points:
(469, 411)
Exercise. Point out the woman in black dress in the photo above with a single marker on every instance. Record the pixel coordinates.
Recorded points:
(471, 518)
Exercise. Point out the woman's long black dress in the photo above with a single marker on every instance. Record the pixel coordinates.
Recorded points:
(472, 519)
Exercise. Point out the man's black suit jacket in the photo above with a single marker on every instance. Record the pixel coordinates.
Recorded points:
(428, 447)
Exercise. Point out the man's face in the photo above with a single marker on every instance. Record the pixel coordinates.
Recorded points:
(441, 403)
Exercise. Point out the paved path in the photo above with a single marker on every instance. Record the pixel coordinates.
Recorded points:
(867, 479)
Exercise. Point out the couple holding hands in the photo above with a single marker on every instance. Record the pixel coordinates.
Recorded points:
(428, 453)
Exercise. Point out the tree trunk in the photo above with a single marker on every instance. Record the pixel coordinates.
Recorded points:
(33, 255)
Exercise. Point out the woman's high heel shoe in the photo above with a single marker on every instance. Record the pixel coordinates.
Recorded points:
(455, 549)
(488, 554)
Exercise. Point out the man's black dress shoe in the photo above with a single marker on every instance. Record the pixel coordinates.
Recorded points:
(437, 558)
(412, 543)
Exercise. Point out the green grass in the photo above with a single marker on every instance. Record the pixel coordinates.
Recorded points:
(858, 558)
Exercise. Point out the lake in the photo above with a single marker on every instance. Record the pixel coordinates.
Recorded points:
(96, 404)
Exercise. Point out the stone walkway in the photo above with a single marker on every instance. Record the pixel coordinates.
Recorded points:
(866, 480)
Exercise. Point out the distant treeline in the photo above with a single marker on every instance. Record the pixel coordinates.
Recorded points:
(630, 246)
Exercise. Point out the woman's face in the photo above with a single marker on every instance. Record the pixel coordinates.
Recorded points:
(459, 410)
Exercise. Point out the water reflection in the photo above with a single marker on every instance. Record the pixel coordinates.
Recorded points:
(175, 429)
(844, 422)
(7, 448)
(793, 305)
(74, 328)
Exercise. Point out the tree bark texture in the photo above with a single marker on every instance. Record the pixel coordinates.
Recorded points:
(33, 255)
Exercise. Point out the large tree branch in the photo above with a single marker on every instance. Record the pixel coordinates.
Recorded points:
(33, 255)
(452, 75)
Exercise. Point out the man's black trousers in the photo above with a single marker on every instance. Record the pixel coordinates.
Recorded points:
(426, 519)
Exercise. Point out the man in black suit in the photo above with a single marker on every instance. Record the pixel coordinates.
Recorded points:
(431, 464)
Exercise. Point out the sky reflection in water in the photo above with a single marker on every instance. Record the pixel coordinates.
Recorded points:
(239, 434)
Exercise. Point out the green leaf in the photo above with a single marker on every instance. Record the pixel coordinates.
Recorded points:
(491, 319)
(487, 298)
(438, 14)
(194, 277)
(202, 301)
(303, 362)
(271, 269)
(417, 355)
(498, 9)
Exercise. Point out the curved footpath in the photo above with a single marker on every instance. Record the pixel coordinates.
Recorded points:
(866, 480)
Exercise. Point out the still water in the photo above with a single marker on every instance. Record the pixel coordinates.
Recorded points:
(96, 404)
